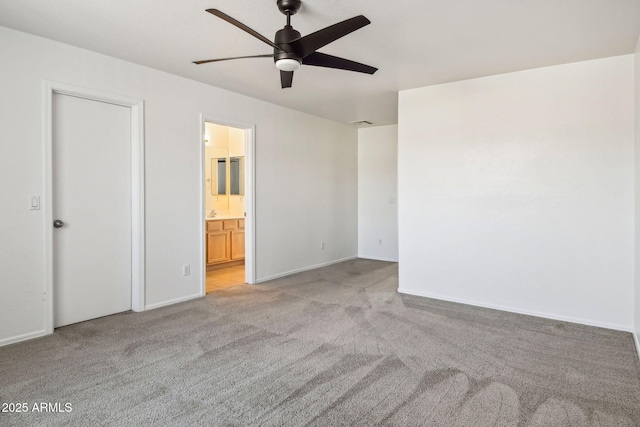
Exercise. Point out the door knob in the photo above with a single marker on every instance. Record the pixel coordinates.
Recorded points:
(58, 224)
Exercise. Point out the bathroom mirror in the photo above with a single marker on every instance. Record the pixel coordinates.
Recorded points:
(219, 176)
(236, 176)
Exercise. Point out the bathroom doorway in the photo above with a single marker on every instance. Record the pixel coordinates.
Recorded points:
(227, 205)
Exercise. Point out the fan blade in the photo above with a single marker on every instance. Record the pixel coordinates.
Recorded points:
(323, 60)
(286, 78)
(243, 27)
(235, 57)
(308, 44)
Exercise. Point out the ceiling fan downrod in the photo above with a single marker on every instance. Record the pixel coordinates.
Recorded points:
(286, 59)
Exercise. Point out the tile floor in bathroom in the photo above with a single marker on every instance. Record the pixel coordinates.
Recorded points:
(225, 278)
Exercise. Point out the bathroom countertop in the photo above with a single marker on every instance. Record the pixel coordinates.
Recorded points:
(225, 216)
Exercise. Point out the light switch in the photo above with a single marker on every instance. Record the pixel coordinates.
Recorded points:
(35, 203)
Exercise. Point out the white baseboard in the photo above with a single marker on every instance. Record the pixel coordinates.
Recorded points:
(38, 334)
(300, 270)
(171, 302)
(23, 337)
(636, 338)
(377, 258)
(542, 314)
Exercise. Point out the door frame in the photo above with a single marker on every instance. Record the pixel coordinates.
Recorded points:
(136, 107)
(249, 198)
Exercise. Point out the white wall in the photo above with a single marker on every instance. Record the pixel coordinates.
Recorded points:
(516, 191)
(310, 162)
(378, 193)
(236, 142)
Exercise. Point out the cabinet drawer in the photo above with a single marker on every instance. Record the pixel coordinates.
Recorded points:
(214, 225)
(241, 223)
(230, 224)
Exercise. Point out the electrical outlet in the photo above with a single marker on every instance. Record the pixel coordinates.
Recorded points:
(322, 245)
(186, 269)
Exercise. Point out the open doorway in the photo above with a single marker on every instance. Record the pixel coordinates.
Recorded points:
(227, 205)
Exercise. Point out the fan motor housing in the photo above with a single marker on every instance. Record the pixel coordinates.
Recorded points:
(282, 39)
(289, 6)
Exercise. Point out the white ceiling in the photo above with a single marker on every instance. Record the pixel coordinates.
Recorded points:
(414, 43)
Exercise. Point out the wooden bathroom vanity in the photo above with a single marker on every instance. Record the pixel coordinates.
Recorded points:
(225, 242)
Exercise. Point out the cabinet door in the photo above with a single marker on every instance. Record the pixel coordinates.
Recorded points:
(217, 247)
(237, 245)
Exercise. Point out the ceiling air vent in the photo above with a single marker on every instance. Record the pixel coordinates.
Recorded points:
(360, 123)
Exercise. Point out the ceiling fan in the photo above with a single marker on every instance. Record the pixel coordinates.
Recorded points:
(290, 49)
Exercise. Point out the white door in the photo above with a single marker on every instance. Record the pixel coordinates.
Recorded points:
(92, 197)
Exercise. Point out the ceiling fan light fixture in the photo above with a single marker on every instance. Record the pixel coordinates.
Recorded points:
(287, 64)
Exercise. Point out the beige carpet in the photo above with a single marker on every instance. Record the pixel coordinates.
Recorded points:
(334, 346)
